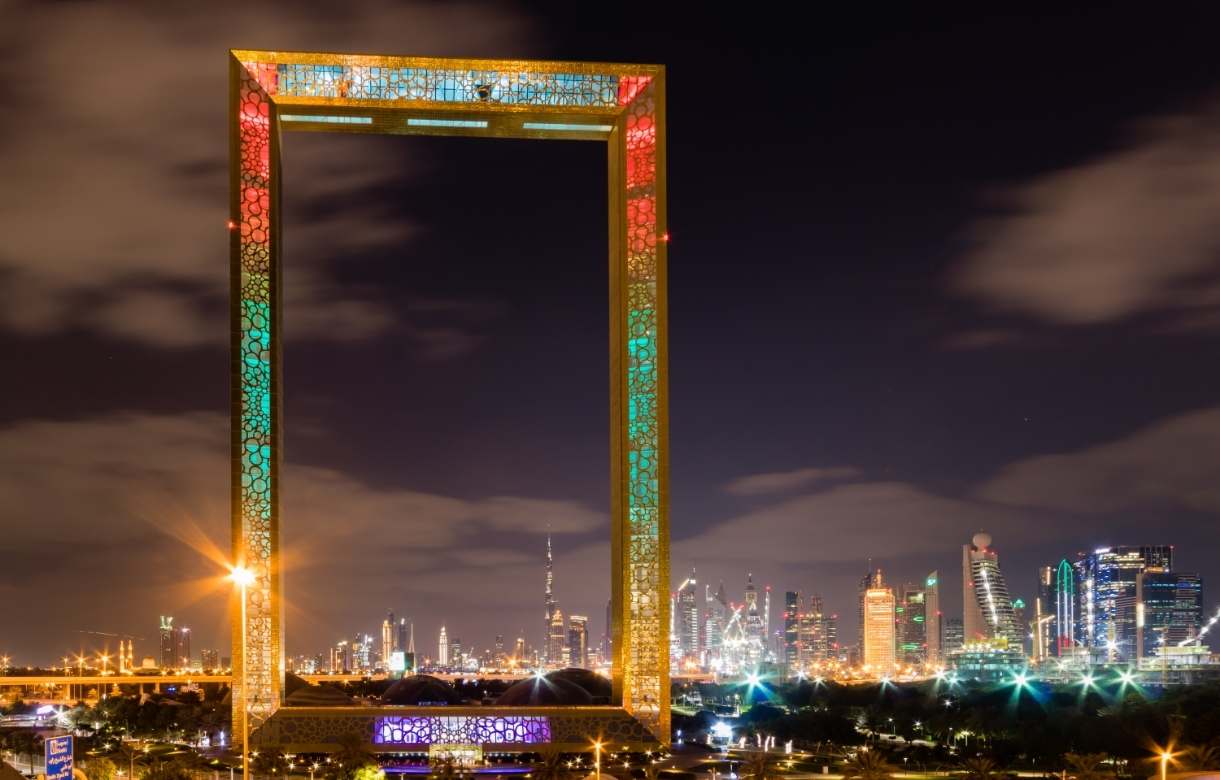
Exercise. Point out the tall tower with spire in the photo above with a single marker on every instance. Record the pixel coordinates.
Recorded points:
(551, 606)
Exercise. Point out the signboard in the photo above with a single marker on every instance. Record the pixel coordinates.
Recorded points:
(58, 752)
(398, 662)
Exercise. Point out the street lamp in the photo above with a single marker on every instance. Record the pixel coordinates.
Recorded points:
(243, 578)
(1166, 757)
(597, 757)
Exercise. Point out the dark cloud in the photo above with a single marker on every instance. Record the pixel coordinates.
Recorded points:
(116, 162)
(131, 508)
(1170, 463)
(785, 481)
(1127, 232)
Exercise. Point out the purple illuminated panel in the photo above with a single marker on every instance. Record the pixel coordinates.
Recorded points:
(462, 729)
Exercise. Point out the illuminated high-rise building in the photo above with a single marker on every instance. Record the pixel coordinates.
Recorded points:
(402, 635)
(934, 618)
(182, 647)
(388, 635)
(953, 636)
(792, 632)
(1107, 595)
(210, 659)
(987, 606)
(879, 628)
(688, 619)
(911, 624)
(716, 620)
(766, 619)
(557, 640)
(340, 658)
(1169, 609)
(442, 649)
(870, 580)
(498, 657)
(551, 606)
(1064, 588)
(168, 656)
(578, 641)
(519, 651)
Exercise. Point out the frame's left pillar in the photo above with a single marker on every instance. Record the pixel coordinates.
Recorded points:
(254, 305)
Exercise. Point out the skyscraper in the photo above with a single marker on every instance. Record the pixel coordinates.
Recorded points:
(952, 637)
(932, 624)
(551, 606)
(557, 640)
(578, 641)
(911, 618)
(182, 647)
(792, 635)
(442, 649)
(388, 633)
(688, 619)
(879, 628)
(1107, 595)
(869, 580)
(1169, 609)
(716, 618)
(987, 607)
(402, 638)
(168, 657)
(1065, 608)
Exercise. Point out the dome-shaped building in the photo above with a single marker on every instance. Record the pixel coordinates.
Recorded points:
(421, 690)
(317, 696)
(544, 691)
(596, 685)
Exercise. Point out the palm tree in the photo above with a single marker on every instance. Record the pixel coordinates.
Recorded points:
(26, 742)
(551, 766)
(1200, 758)
(757, 766)
(444, 769)
(1087, 766)
(270, 762)
(352, 754)
(867, 765)
(980, 769)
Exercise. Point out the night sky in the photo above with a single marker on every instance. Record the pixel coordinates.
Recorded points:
(930, 274)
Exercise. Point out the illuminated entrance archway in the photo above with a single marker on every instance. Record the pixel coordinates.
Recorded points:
(620, 105)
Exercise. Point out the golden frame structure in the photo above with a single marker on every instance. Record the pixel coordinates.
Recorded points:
(618, 104)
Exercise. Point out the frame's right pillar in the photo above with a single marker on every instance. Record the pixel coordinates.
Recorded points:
(639, 404)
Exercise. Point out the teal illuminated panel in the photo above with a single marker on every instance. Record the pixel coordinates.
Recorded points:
(328, 119)
(448, 85)
(423, 122)
(568, 128)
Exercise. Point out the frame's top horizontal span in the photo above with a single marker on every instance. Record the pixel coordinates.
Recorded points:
(456, 63)
(296, 78)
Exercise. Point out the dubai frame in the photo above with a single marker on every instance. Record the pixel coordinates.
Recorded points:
(622, 106)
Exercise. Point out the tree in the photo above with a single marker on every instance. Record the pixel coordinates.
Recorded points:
(444, 769)
(169, 770)
(1200, 758)
(352, 755)
(550, 766)
(1086, 766)
(980, 769)
(867, 765)
(757, 766)
(372, 773)
(26, 743)
(100, 768)
(271, 762)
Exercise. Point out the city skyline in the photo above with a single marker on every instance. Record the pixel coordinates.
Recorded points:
(906, 386)
(1142, 575)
